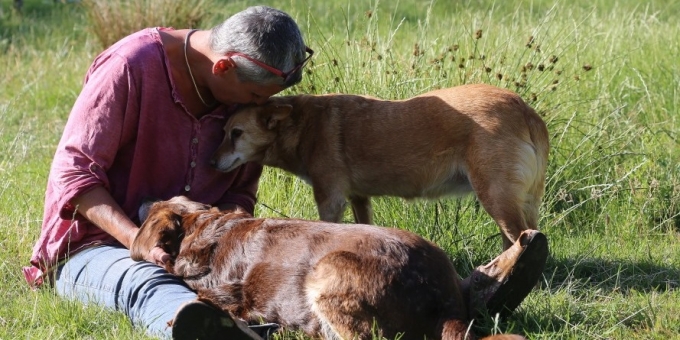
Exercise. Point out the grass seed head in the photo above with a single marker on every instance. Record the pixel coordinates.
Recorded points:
(530, 41)
(478, 34)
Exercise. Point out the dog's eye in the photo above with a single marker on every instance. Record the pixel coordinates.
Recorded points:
(236, 133)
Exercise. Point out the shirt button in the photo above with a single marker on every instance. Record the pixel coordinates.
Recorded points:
(187, 188)
(195, 140)
(193, 164)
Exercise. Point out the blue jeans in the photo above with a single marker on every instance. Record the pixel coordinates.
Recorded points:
(107, 276)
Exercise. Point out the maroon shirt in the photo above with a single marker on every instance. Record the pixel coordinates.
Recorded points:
(130, 132)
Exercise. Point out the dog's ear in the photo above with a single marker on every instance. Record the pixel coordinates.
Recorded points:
(163, 229)
(273, 114)
(171, 238)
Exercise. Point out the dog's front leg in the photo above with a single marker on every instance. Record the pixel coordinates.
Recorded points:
(331, 204)
(361, 207)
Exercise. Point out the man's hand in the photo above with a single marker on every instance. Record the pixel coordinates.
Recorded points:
(155, 255)
(158, 256)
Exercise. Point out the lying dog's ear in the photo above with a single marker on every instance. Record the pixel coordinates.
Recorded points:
(273, 114)
(162, 228)
(171, 238)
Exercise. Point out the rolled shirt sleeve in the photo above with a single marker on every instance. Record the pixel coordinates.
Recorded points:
(93, 132)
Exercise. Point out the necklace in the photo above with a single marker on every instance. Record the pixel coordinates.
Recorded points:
(186, 59)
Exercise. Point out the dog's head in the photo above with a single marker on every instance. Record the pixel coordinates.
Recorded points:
(248, 133)
(162, 226)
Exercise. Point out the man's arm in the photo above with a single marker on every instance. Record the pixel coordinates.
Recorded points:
(100, 208)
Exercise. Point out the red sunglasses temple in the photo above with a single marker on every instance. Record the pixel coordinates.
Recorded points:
(300, 65)
(273, 70)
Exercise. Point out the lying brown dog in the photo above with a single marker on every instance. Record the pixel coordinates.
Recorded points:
(468, 138)
(334, 281)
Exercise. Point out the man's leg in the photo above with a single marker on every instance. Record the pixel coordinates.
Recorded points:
(105, 275)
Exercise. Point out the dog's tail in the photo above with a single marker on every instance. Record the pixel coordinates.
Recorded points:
(538, 132)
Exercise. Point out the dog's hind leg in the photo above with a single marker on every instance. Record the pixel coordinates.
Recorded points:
(505, 203)
(361, 207)
(336, 291)
(509, 193)
(228, 297)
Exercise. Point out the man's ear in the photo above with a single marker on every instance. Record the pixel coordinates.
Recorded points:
(273, 114)
(223, 65)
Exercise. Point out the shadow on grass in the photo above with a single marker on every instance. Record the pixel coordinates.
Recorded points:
(600, 289)
(611, 275)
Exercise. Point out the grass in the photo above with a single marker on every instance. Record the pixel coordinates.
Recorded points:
(602, 73)
(111, 21)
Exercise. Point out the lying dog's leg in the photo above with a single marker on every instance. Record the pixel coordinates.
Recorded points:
(350, 293)
(334, 290)
(361, 207)
(227, 297)
(193, 264)
(502, 284)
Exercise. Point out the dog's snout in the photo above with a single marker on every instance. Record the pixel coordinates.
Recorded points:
(213, 162)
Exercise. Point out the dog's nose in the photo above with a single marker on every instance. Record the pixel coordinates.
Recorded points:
(213, 162)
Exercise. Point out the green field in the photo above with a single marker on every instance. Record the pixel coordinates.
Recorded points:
(604, 74)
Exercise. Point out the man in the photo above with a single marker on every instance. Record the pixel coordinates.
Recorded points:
(150, 114)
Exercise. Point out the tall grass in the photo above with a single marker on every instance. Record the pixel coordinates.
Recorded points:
(110, 21)
(601, 73)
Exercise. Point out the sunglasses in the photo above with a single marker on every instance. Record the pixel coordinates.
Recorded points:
(285, 75)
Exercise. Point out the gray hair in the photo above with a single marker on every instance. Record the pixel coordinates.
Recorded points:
(265, 34)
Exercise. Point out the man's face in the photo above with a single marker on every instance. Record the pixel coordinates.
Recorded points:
(250, 93)
(229, 89)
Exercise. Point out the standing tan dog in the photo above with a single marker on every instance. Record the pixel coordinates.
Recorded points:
(452, 141)
(334, 281)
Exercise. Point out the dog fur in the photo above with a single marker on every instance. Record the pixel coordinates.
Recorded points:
(471, 138)
(333, 281)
